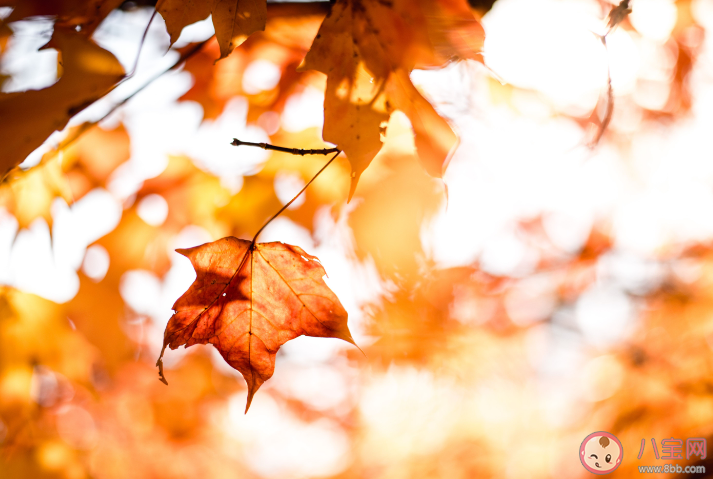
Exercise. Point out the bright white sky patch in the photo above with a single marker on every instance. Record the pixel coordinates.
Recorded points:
(303, 110)
(605, 316)
(94, 215)
(46, 266)
(29, 68)
(211, 148)
(33, 267)
(261, 75)
(287, 185)
(141, 290)
(279, 445)
(96, 262)
(8, 230)
(547, 46)
(153, 209)
(654, 19)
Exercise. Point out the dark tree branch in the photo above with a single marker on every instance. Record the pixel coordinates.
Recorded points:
(294, 151)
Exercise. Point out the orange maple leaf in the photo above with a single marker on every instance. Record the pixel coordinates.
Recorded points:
(248, 300)
(367, 49)
(234, 20)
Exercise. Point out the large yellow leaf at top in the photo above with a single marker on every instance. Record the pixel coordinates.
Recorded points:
(28, 118)
(367, 49)
(233, 20)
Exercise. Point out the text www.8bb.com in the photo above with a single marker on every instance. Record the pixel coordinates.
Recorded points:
(668, 468)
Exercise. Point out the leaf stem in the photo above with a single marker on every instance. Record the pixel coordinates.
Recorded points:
(332, 150)
(141, 45)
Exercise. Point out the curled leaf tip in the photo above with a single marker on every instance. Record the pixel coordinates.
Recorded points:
(352, 186)
(249, 402)
(159, 365)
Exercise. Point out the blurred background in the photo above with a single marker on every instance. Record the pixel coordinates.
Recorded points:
(556, 290)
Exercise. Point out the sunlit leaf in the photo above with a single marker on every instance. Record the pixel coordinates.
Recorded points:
(367, 50)
(28, 118)
(234, 20)
(250, 299)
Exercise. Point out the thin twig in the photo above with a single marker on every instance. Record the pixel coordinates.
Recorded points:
(294, 151)
(141, 45)
(248, 252)
(266, 146)
(185, 56)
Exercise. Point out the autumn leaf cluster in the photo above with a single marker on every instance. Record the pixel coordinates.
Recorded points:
(366, 49)
(460, 365)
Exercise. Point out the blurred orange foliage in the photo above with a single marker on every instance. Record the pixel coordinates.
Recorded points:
(467, 371)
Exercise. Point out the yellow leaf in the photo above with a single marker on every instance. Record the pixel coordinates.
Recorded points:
(28, 118)
(433, 136)
(367, 50)
(234, 20)
(178, 14)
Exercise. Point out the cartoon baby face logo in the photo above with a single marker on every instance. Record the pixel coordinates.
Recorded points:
(601, 452)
